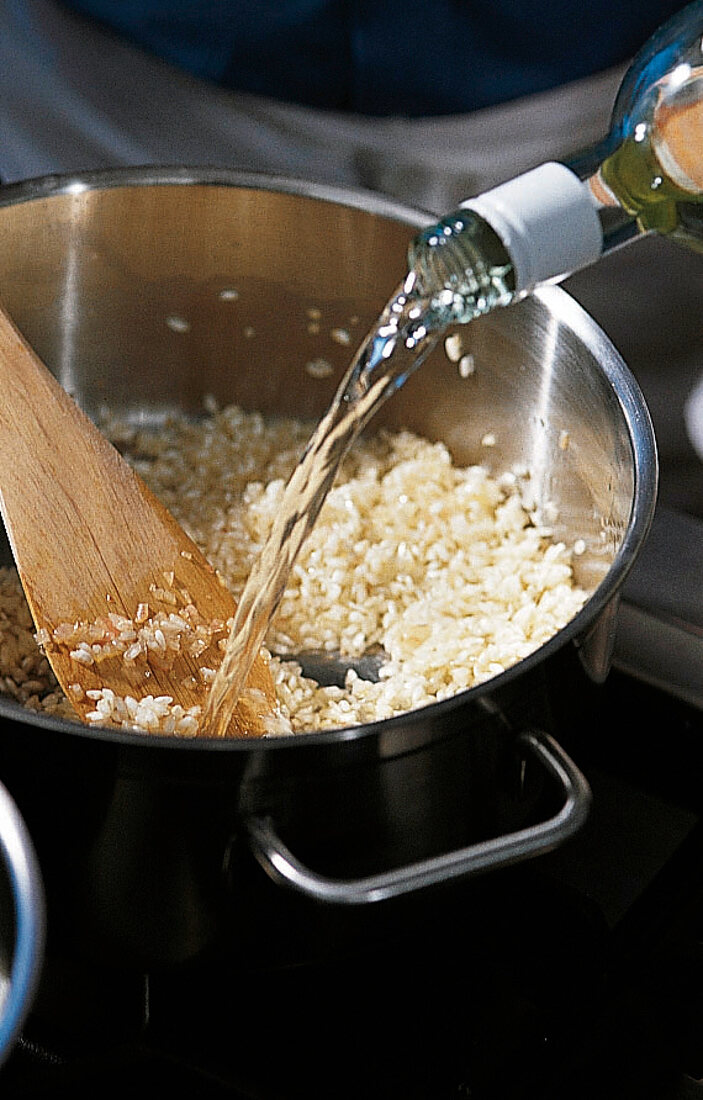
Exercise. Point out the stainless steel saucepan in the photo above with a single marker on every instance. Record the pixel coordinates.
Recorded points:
(145, 290)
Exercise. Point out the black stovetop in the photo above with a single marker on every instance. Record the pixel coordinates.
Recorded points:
(577, 975)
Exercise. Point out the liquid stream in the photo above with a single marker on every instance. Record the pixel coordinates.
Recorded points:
(408, 329)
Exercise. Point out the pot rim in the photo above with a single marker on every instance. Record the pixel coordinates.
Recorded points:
(560, 304)
(75, 183)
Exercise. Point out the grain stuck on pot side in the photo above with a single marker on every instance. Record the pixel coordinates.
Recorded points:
(440, 566)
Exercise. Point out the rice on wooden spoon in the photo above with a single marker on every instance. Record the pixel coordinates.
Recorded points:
(121, 597)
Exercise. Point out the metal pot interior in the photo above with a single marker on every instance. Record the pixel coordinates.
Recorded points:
(145, 292)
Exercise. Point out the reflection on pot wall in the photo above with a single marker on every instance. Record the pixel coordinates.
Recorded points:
(648, 300)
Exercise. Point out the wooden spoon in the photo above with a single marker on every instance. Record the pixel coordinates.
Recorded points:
(101, 559)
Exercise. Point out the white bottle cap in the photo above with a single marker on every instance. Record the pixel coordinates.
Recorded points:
(547, 221)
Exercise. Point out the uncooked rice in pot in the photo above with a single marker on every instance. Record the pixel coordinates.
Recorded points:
(441, 566)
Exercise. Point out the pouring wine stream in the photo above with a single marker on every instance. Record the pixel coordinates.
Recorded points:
(406, 332)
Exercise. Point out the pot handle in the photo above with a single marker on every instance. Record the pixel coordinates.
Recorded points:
(26, 889)
(281, 865)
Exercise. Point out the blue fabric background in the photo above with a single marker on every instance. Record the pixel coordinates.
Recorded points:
(387, 57)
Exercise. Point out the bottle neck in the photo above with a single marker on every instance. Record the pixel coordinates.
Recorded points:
(496, 248)
(550, 223)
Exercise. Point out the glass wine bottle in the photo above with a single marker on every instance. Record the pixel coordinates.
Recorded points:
(645, 177)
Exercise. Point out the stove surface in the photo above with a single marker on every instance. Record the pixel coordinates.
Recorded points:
(579, 974)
